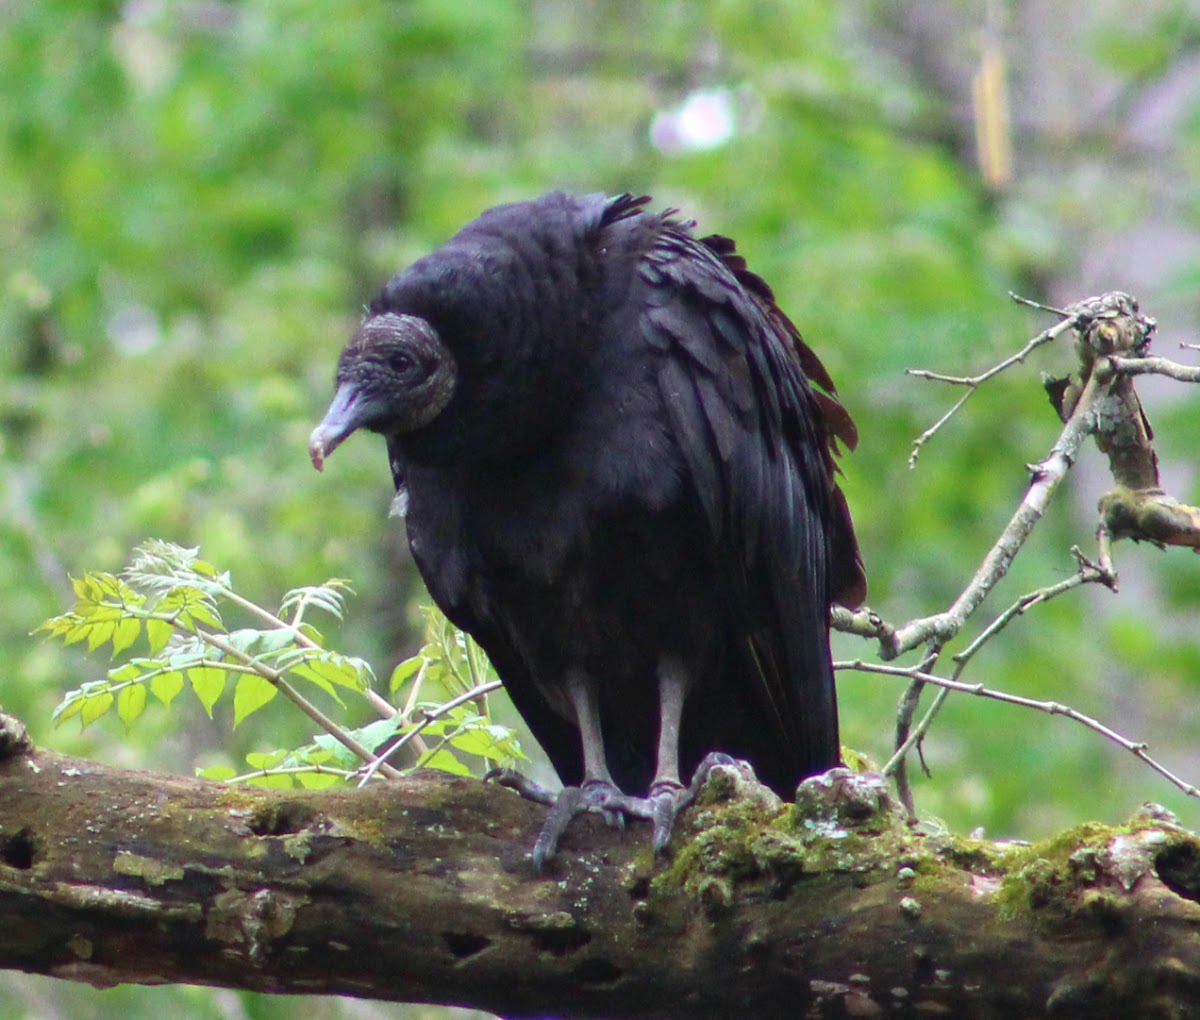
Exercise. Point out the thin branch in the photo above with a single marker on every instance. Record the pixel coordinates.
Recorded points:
(380, 760)
(279, 680)
(941, 627)
(908, 738)
(384, 707)
(1136, 748)
(1102, 404)
(293, 770)
(973, 382)
(1155, 366)
(933, 429)
(1031, 303)
(896, 764)
(1088, 573)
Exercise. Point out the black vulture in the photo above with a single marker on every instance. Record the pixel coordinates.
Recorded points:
(616, 459)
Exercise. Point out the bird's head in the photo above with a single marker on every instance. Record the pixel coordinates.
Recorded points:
(394, 377)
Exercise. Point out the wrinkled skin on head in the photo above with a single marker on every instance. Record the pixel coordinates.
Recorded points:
(394, 377)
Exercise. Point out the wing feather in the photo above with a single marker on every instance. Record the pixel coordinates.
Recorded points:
(758, 440)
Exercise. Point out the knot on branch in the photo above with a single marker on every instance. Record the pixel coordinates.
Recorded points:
(14, 739)
(1107, 327)
(1110, 324)
(1149, 515)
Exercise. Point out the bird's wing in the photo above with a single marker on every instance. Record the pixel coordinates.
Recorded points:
(758, 441)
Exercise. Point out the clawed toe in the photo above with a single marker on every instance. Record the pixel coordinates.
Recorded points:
(594, 795)
(660, 807)
(525, 786)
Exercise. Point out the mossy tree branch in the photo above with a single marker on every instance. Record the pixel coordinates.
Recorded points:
(422, 890)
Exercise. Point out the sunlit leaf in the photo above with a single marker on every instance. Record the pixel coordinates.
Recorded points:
(94, 707)
(265, 759)
(491, 742)
(404, 672)
(68, 708)
(128, 671)
(374, 735)
(218, 773)
(251, 693)
(317, 780)
(208, 682)
(158, 633)
(444, 761)
(272, 781)
(125, 634)
(342, 756)
(341, 670)
(165, 686)
(131, 703)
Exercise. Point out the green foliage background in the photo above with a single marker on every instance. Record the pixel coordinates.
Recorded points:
(199, 197)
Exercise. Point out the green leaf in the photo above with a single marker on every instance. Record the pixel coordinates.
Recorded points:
(265, 759)
(374, 735)
(342, 756)
(318, 780)
(327, 597)
(131, 703)
(218, 773)
(404, 672)
(125, 633)
(158, 633)
(203, 567)
(251, 693)
(165, 686)
(446, 762)
(491, 742)
(244, 639)
(99, 632)
(209, 683)
(129, 671)
(94, 707)
(68, 708)
(275, 641)
(330, 668)
(187, 605)
(273, 781)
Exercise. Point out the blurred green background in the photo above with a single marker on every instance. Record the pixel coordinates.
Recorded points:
(197, 199)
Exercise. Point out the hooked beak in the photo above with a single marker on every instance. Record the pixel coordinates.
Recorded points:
(346, 414)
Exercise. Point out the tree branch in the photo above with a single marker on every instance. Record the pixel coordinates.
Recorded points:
(421, 889)
(1112, 337)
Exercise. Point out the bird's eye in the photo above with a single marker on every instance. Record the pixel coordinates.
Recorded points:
(400, 362)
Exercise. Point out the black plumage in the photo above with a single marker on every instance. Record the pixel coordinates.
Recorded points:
(617, 458)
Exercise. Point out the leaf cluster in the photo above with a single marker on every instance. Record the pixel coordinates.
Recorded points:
(176, 603)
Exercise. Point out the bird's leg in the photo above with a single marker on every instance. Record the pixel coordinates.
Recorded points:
(668, 796)
(597, 791)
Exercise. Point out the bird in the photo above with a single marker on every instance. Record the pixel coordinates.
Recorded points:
(617, 463)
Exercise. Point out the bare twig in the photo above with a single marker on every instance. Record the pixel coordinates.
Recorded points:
(278, 678)
(933, 429)
(1155, 366)
(1112, 337)
(1088, 573)
(380, 760)
(941, 627)
(1137, 748)
(973, 382)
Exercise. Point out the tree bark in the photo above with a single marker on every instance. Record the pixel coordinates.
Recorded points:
(423, 890)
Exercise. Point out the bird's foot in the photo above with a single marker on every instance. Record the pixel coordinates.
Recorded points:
(526, 787)
(661, 806)
(667, 799)
(596, 795)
